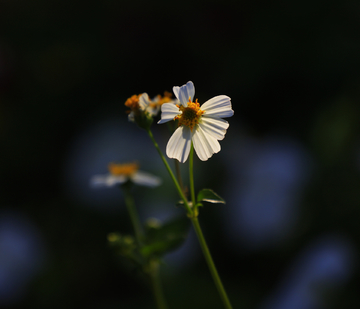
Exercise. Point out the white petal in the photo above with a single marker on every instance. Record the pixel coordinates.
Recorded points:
(145, 179)
(219, 106)
(144, 101)
(178, 146)
(185, 92)
(176, 91)
(215, 127)
(205, 144)
(107, 180)
(153, 110)
(168, 112)
(131, 117)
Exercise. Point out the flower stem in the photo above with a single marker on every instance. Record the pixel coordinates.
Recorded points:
(153, 265)
(130, 204)
(210, 263)
(193, 216)
(178, 174)
(156, 285)
(201, 237)
(180, 191)
(191, 174)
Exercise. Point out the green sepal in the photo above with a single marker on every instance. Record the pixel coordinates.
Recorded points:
(208, 195)
(165, 238)
(143, 119)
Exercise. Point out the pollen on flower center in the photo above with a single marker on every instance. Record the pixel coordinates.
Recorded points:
(190, 115)
(126, 169)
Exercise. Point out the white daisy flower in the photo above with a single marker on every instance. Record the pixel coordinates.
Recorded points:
(137, 104)
(156, 103)
(121, 173)
(204, 126)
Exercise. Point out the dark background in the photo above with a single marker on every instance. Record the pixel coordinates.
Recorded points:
(288, 236)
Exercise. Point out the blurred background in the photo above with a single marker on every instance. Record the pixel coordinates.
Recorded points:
(289, 168)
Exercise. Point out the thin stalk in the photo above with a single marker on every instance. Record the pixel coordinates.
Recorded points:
(191, 174)
(178, 174)
(194, 220)
(156, 285)
(210, 263)
(201, 237)
(180, 191)
(130, 204)
(153, 266)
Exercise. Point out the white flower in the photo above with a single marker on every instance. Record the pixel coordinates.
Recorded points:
(156, 103)
(142, 103)
(201, 126)
(121, 173)
(137, 104)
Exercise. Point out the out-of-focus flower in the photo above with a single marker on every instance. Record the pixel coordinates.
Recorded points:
(139, 110)
(121, 173)
(142, 103)
(202, 126)
(156, 103)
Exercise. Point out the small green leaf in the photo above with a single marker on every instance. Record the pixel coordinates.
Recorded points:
(210, 196)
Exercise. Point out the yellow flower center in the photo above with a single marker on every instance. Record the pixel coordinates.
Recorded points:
(191, 114)
(126, 169)
(133, 103)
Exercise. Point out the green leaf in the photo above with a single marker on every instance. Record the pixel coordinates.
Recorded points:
(165, 238)
(210, 196)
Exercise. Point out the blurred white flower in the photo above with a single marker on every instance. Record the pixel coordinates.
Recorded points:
(202, 126)
(142, 103)
(156, 103)
(137, 103)
(121, 173)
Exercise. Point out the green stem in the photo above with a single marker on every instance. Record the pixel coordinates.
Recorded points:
(193, 216)
(191, 174)
(153, 265)
(156, 285)
(130, 204)
(178, 174)
(180, 191)
(210, 263)
(201, 237)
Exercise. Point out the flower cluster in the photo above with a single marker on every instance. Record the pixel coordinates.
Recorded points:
(156, 103)
(201, 126)
(143, 109)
